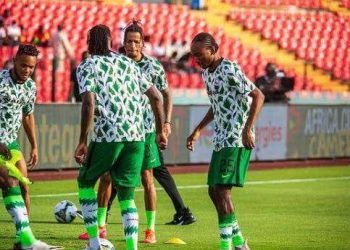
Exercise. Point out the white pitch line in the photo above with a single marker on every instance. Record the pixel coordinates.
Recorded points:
(205, 186)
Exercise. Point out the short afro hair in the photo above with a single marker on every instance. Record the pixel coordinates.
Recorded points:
(28, 50)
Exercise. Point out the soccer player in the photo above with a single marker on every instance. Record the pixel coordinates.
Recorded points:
(112, 86)
(17, 97)
(133, 44)
(153, 163)
(235, 105)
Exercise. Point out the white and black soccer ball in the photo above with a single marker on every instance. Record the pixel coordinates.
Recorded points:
(106, 244)
(65, 211)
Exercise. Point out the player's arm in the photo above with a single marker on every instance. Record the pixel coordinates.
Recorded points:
(168, 110)
(29, 128)
(255, 108)
(154, 97)
(238, 81)
(157, 107)
(86, 79)
(197, 131)
(87, 115)
(162, 84)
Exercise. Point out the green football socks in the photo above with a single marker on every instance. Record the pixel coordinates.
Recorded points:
(101, 216)
(130, 223)
(237, 237)
(151, 219)
(16, 208)
(225, 227)
(88, 203)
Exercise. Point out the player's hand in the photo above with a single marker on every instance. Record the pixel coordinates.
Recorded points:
(81, 153)
(167, 129)
(5, 151)
(192, 138)
(248, 138)
(33, 158)
(162, 141)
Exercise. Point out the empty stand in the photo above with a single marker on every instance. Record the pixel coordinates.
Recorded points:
(162, 21)
(275, 3)
(320, 37)
(345, 3)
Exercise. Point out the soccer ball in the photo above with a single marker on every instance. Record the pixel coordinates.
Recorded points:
(65, 211)
(106, 244)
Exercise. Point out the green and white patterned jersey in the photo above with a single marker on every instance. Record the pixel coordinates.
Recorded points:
(155, 73)
(16, 100)
(118, 85)
(228, 89)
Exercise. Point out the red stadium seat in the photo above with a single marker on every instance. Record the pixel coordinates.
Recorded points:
(319, 37)
(169, 22)
(275, 3)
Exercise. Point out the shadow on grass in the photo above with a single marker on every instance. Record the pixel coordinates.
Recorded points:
(76, 222)
(8, 221)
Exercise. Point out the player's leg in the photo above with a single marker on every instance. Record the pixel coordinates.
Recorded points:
(151, 160)
(225, 229)
(100, 159)
(150, 195)
(228, 168)
(114, 193)
(183, 215)
(227, 220)
(22, 166)
(222, 203)
(150, 198)
(15, 206)
(224, 208)
(212, 195)
(164, 178)
(103, 195)
(242, 158)
(126, 176)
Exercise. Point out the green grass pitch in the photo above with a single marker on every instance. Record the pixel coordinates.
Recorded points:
(306, 208)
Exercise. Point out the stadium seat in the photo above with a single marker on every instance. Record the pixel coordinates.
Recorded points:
(345, 3)
(321, 37)
(275, 3)
(164, 22)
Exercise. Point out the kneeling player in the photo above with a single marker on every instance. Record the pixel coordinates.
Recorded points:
(11, 191)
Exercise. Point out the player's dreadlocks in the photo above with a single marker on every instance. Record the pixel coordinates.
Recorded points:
(207, 39)
(134, 26)
(28, 50)
(99, 39)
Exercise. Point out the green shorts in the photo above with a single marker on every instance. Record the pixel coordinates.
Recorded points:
(229, 167)
(14, 145)
(151, 157)
(122, 159)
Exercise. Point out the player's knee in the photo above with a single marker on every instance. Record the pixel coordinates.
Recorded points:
(105, 179)
(147, 180)
(21, 165)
